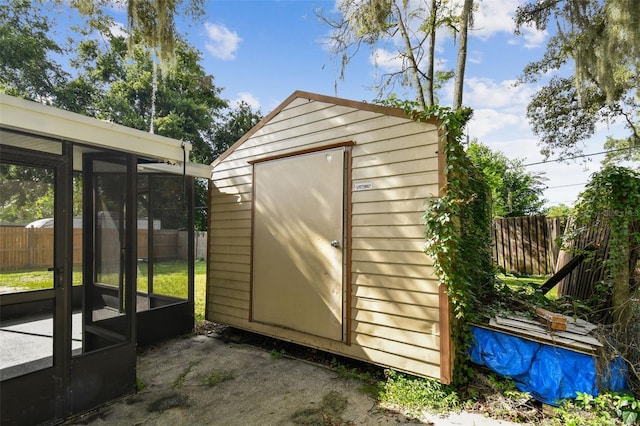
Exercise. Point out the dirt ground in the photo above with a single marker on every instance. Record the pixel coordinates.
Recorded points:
(218, 378)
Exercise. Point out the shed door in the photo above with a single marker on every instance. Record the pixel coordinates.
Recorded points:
(298, 243)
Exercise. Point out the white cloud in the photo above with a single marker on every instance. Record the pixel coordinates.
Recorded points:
(484, 92)
(386, 60)
(475, 57)
(117, 5)
(496, 16)
(221, 42)
(118, 30)
(248, 98)
(486, 121)
(533, 38)
(524, 148)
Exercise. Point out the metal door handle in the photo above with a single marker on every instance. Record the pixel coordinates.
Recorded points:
(335, 243)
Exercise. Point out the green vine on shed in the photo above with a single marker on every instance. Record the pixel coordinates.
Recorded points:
(458, 231)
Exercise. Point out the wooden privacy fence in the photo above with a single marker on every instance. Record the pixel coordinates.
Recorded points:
(22, 248)
(581, 281)
(527, 245)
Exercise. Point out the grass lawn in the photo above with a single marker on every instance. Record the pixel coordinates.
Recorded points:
(170, 278)
(525, 281)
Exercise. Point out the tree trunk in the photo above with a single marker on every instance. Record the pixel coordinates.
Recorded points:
(432, 53)
(462, 54)
(413, 67)
(621, 299)
(154, 93)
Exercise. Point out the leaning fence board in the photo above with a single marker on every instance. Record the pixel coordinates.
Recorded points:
(581, 281)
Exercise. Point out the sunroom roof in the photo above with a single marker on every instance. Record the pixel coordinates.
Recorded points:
(43, 120)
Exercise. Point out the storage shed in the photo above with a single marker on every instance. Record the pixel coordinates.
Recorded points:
(316, 233)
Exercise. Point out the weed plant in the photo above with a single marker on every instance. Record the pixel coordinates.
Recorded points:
(218, 376)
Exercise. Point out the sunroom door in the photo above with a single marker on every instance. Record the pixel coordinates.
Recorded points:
(35, 280)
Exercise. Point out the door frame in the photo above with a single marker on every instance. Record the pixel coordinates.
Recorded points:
(22, 396)
(347, 229)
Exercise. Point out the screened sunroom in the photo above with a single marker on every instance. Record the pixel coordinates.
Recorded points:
(96, 256)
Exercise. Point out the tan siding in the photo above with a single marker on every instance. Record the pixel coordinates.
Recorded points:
(231, 302)
(392, 347)
(299, 138)
(223, 313)
(426, 284)
(392, 157)
(404, 168)
(322, 133)
(394, 315)
(231, 241)
(231, 267)
(297, 108)
(423, 340)
(399, 309)
(399, 296)
(388, 232)
(384, 256)
(231, 258)
(239, 286)
(385, 219)
(401, 363)
(223, 232)
(222, 183)
(220, 274)
(223, 293)
(403, 193)
(226, 249)
(392, 269)
(235, 215)
(242, 169)
(412, 324)
(414, 245)
(231, 224)
(416, 179)
(389, 139)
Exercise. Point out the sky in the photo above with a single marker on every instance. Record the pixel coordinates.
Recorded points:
(261, 51)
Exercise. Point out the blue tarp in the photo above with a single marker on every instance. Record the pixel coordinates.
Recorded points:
(548, 373)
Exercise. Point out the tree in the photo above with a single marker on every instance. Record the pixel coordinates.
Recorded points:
(611, 200)
(187, 105)
(465, 22)
(27, 193)
(620, 150)
(27, 69)
(514, 191)
(559, 210)
(601, 39)
(410, 29)
(234, 125)
(188, 102)
(153, 21)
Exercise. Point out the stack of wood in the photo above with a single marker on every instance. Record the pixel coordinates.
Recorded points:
(549, 328)
(552, 320)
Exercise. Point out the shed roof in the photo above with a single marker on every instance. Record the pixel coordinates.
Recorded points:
(359, 105)
(35, 118)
